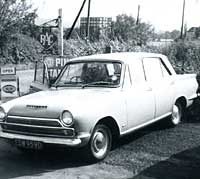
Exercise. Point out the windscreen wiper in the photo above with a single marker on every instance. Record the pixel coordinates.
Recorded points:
(96, 83)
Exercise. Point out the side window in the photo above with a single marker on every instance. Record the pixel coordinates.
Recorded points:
(137, 72)
(40, 73)
(153, 70)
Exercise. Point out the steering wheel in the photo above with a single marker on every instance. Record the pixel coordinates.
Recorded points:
(75, 79)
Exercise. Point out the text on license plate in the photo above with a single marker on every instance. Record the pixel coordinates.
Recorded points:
(28, 144)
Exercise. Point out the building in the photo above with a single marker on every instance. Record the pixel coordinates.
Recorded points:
(193, 33)
(98, 27)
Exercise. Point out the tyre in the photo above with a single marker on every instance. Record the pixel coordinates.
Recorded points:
(100, 143)
(177, 115)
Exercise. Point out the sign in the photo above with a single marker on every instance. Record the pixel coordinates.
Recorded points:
(47, 39)
(9, 83)
(7, 71)
(9, 89)
(54, 65)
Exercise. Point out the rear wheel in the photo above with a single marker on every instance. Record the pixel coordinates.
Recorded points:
(177, 114)
(100, 143)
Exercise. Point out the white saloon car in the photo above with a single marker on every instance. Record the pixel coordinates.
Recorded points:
(97, 99)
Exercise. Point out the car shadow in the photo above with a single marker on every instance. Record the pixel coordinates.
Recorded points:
(183, 165)
(30, 163)
(17, 163)
(193, 112)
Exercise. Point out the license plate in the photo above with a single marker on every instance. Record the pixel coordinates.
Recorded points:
(36, 145)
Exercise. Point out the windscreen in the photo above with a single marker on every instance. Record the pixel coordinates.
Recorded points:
(92, 73)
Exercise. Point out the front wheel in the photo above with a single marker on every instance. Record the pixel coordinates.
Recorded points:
(100, 143)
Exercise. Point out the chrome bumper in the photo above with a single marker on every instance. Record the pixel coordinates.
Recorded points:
(79, 141)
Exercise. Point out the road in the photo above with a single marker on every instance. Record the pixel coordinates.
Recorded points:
(151, 153)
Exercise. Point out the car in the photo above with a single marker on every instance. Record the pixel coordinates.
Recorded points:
(97, 99)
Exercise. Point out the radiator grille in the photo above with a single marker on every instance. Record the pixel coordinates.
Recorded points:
(36, 126)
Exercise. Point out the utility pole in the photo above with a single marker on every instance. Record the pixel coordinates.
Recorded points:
(138, 15)
(182, 24)
(60, 25)
(73, 25)
(88, 22)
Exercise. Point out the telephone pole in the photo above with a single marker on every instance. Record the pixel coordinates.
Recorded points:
(74, 23)
(182, 24)
(138, 15)
(88, 21)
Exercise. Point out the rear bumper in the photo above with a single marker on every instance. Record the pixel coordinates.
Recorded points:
(79, 141)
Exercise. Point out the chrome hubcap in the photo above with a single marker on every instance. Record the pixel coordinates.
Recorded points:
(100, 144)
(176, 116)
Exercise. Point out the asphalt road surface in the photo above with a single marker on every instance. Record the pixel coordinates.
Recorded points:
(154, 152)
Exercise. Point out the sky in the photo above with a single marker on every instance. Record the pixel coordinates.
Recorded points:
(164, 15)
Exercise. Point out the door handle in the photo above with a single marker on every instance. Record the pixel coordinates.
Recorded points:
(172, 83)
(148, 88)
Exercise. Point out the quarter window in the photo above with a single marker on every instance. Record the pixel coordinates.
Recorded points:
(165, 70)
(137, 72)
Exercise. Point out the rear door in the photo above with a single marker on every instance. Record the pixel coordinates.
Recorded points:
(139, 96)
(160, 79)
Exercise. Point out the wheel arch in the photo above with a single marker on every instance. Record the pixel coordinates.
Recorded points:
(182, 100)
(112, 124)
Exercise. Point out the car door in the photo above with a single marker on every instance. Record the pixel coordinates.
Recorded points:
(41, 78)
(140, 99)
(161, 81)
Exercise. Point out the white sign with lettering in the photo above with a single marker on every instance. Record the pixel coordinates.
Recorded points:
(8, 71)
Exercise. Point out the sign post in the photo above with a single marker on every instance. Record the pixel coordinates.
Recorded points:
(61, 31)
(9, 83)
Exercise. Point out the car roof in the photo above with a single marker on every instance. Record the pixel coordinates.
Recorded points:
(126, 57)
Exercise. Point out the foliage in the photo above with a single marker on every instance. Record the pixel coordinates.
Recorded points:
(167, 35)
(126, 29)
(75, 33)
(15, 16)
(184, 56)
(20, 49)
(197, 32)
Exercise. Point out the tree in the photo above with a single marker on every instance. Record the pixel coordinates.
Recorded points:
(74, 35)
(197, 32)
(15, 15)
(125, 28)
(175, 34)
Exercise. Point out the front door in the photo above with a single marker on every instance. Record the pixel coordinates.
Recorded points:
(41, 79)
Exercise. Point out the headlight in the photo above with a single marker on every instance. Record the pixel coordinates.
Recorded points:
(2, 114)
(67, 118)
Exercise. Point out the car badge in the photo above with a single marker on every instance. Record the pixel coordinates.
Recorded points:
(36, 107)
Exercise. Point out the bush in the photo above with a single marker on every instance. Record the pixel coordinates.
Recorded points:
(184, 56)
(20, 49)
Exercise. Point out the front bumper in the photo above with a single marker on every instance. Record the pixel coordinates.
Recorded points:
(80, 140)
